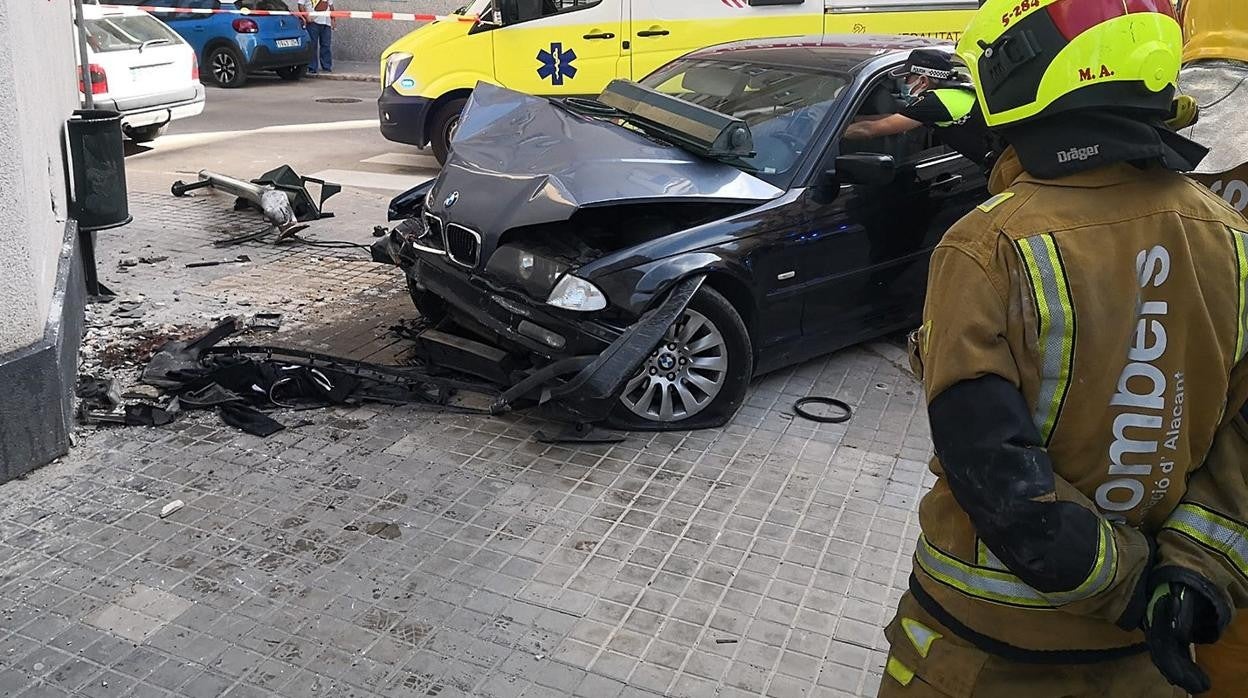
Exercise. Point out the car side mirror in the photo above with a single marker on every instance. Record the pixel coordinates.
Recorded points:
(866, 168)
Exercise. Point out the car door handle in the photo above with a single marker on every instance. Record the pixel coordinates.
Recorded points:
(603, 35)
(653, 32)
(947, 181)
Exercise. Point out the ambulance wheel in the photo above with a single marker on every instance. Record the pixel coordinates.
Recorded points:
(699, 375)
(442, 129)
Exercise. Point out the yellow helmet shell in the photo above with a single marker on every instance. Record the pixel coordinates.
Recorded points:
(1215, 29)
(1033, 58)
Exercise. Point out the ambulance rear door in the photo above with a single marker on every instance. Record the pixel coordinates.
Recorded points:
(662, 30)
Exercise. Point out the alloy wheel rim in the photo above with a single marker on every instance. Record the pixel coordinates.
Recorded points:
(684, 375)
(223, 68)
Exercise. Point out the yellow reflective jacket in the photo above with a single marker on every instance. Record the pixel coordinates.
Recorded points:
(1082, 341)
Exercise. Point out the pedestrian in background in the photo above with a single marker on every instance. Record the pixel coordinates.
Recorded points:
(320, 34)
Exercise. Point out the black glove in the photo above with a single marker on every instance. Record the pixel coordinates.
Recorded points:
(1172, 623)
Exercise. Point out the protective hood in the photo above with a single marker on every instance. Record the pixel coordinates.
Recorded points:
(519, 160)
(1221, 90)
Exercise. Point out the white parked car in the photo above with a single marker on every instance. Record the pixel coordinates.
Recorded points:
(141, 68)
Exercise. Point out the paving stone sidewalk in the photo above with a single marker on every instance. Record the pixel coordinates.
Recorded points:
(404, 552)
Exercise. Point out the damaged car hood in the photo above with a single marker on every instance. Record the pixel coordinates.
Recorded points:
(519, 160)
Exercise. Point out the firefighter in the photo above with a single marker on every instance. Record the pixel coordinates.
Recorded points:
(938, 100)
(1083, 343)
(1215, 73)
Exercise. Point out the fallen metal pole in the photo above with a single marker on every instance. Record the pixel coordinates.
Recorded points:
(274, 204)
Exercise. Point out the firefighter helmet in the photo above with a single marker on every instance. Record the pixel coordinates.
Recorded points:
(1215, 73)
(1035, 58)
(1215, 29)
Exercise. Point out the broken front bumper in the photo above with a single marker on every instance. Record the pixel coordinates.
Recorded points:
(580, 384)
(508, 316)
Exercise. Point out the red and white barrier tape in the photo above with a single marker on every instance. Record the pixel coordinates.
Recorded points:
(337, 14)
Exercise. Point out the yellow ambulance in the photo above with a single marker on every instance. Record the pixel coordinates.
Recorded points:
(575, 47)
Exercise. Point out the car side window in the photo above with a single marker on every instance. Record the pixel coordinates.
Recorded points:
(515, 11)
(906, 148)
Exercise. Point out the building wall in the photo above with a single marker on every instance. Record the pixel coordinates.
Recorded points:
(41, 286)
(38, 91)
(364, 40)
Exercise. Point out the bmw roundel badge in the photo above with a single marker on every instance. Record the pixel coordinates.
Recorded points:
(451, 200)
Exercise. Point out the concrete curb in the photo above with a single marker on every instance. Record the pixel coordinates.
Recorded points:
(353, 77)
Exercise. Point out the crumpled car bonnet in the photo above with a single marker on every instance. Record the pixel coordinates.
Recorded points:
(520, 160)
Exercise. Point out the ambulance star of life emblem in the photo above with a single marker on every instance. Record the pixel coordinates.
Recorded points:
(556, 64)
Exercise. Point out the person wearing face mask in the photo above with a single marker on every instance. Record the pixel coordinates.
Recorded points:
(935, 98)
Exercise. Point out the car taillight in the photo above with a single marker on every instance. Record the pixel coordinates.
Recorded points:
(99, 80)
(246, 26)
(194, 67)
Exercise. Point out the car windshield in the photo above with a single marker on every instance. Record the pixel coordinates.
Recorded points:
(783, 105)
(127, 32)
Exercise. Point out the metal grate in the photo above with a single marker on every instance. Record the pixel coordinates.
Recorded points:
(463, 245)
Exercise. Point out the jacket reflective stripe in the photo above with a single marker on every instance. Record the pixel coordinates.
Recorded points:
(1214, 531)
(985, 557)
(1056, 341)
(959, 103)
(1241, 266)
(1003, 587)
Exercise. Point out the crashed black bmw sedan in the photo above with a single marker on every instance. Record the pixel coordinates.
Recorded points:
(638, 257)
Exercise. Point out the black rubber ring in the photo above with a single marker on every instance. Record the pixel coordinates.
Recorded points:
(799, 406)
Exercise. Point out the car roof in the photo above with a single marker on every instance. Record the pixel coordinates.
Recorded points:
(845, 53)
(98, 12)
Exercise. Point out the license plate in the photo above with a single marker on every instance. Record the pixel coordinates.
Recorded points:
(147, 72)
(288, 43)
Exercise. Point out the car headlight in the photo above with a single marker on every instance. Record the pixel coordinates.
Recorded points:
(573, 293)
(396, 64)
(533, 272)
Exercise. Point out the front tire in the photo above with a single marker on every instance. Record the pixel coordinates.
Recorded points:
(292, 72)
(442, 129)
(227, 67)
(698, 377)
(431, 308)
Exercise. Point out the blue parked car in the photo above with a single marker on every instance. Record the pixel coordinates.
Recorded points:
(232, 46)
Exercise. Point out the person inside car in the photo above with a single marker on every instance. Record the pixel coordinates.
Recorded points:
(937, 100)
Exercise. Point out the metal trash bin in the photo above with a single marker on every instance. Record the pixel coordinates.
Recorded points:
(99, 170)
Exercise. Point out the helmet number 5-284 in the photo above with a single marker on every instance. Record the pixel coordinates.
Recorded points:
(1018, 11)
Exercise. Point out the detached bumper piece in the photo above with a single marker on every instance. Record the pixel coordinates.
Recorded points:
(243, 383)
(590, 396)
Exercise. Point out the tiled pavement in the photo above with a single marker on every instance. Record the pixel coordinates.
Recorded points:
(396, 551)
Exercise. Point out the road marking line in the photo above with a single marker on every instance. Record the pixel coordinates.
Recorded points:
(371, 180)
(424, 162)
